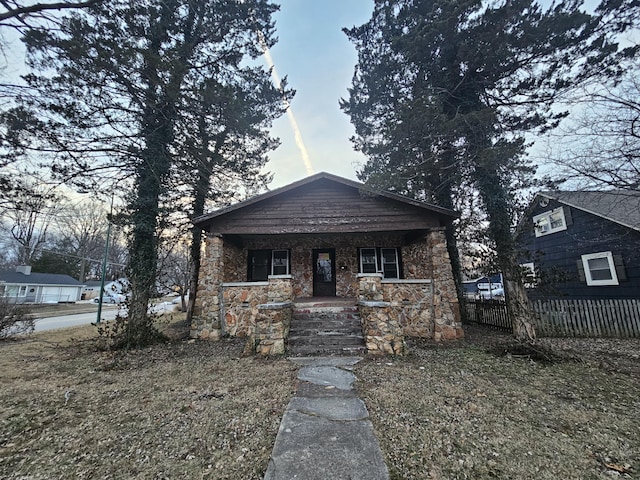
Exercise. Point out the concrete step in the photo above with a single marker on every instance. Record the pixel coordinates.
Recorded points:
(315, 350)
(339, 340)
(343, 332)
(318, 330)
(317, 317)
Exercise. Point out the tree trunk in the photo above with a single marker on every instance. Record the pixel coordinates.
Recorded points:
(495, 198)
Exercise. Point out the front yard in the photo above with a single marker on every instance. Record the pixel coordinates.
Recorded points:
(200, 410)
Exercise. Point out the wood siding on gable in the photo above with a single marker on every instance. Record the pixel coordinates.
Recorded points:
(324, 207)
(557, 254)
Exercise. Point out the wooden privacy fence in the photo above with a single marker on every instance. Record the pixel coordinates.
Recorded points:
(566, 318)
(588, 318)
(492, 313)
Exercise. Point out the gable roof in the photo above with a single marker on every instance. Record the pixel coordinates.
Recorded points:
(13, 277)
(619, 206)
(206, 219)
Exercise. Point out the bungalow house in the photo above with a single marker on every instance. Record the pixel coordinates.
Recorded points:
(25, 286)
(582, 244)
(326, 237)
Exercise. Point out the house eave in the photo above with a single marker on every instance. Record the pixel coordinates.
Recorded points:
(202, 221)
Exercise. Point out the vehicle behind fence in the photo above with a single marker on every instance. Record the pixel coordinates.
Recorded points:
(566, 318)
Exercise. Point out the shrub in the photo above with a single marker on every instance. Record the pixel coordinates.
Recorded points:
(14, 319)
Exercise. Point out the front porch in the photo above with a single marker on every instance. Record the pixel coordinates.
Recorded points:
(326, 236)
(422, 304)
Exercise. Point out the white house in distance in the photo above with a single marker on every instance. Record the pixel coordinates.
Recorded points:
(24, 286)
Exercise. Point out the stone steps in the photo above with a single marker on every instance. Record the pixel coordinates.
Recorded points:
(328, 330)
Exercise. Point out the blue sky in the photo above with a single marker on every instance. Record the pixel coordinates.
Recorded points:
(318, 61)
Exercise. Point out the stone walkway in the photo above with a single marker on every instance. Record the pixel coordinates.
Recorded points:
(325, 431)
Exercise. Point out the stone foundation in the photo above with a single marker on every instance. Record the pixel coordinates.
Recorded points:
(381, 330)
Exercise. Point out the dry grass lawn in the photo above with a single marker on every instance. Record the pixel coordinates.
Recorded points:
(177, 411)
(192, 410)
(454, 412)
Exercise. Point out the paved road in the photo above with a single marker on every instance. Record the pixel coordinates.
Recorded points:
(50, 323)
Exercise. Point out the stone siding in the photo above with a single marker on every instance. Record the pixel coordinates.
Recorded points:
(272, 328)
(301, 247)
(240, 306)
(412, 302)
(446, 310)
(381, 330)
(423, 304)
(427, 308)
(205, 323)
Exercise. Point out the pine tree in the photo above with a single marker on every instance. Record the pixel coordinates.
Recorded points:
(113, 103)
(444, 92)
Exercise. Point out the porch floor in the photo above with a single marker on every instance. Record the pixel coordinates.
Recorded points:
(325, 301)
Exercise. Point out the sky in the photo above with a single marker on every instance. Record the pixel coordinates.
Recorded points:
(318, 61)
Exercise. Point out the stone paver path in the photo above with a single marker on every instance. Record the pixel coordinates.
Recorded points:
(325, 431)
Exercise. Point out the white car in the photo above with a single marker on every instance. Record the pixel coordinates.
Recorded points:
(111, 298)
(488, 291)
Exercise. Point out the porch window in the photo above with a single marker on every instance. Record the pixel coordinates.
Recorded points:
(280, 262)
(263, 263)
(380, 260)
(390, 266)
(368, 260)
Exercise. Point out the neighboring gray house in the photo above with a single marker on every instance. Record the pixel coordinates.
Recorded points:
(24, 286)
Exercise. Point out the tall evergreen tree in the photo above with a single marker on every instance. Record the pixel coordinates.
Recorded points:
(113, 102)
(444, 92)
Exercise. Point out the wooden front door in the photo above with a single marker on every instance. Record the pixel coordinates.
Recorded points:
(324, 272)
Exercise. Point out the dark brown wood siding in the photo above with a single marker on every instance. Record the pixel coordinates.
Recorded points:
(324, 207)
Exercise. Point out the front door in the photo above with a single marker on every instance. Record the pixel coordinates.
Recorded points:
(324, 272)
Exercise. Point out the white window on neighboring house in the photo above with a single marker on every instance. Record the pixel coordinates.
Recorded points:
(599, 269)
(528, 274)
(550, 222)
(22, 292)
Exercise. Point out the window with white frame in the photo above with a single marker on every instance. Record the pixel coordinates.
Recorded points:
(550, 222)
(390, 265)
(22, 292)
(263, 263)
(280, 262)
(368, 260)
(599, 269)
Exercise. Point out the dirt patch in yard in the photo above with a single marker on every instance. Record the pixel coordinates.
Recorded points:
(478, 409)
(183, 409)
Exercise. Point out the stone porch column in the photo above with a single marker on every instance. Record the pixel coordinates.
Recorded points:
(380, 327)
(206, 318)
(446, 310)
